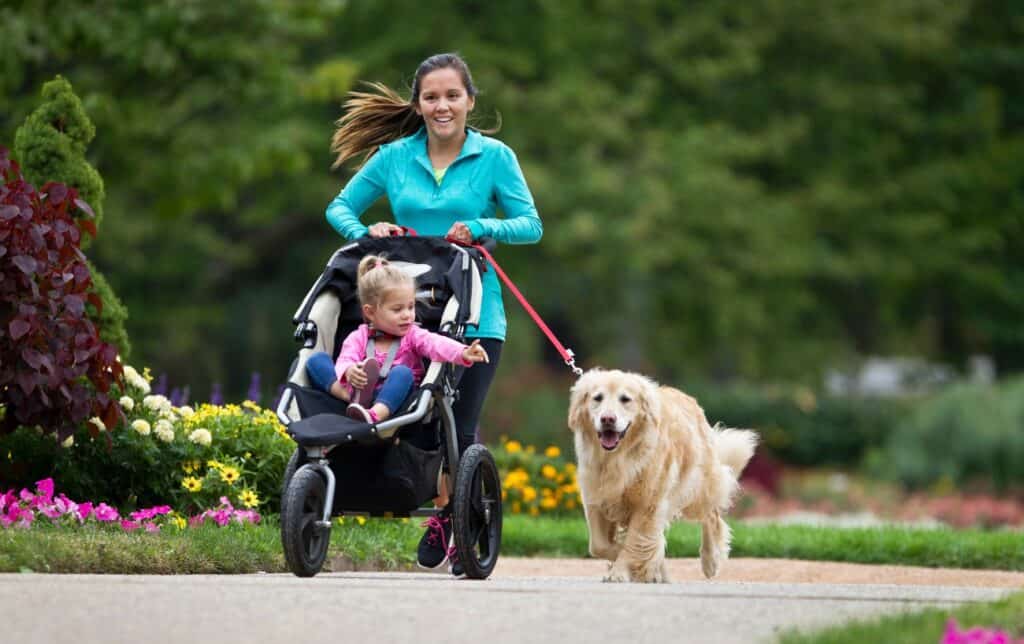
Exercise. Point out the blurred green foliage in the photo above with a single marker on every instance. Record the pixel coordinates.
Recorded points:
(969, 435)
(731, 191)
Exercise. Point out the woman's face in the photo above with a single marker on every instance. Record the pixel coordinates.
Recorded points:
(444, 104)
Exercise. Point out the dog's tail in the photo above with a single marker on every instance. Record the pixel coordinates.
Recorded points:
(735, 447)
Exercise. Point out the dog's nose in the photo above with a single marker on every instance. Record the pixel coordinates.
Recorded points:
(608, 420)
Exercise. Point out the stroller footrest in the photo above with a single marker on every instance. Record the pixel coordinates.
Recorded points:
(332, 429)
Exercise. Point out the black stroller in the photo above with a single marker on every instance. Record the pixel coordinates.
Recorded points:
(342, 466)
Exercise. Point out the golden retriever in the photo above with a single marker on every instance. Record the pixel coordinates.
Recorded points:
(647, 455)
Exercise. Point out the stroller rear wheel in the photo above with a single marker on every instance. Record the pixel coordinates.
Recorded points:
(477, 512)
(305, 541)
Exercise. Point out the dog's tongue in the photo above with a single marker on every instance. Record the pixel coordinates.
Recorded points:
(609, 438)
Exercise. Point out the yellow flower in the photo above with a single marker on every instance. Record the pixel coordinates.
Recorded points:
(570, 468)
(549, 472)
(548, 502)
(341, 520)
(534, 511)
(513, 446)
(179, 522)
(552, 451)
(229, 474)
(517, 507)
(215, 464)
(504, 493)
(192, 484)
(249, 499)
(530, 449)
(248, 455)
(360, 519)
(570, 504)
(529, 493)
(187, 467)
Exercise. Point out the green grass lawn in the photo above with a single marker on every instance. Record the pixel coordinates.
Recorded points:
(392, 544)
(924, 627)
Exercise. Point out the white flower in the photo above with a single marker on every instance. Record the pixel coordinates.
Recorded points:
(95, 420)
(135, 380)
(168, 414)
(201, 436)
(141, 426)
(69, 441)
(186, 411)
(156, 402)
(164, 430)
(127, 403)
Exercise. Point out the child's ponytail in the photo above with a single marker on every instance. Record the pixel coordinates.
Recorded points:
(376, 276)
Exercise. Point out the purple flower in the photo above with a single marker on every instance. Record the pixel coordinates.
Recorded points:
(254, 388)
(216, 397)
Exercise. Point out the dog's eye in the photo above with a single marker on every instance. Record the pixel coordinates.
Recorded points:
(598, 397)
(625, 399)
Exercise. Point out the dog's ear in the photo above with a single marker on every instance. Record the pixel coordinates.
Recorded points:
(578, 397)
(648, 399)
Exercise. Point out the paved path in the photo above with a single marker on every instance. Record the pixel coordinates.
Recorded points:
(417, 607)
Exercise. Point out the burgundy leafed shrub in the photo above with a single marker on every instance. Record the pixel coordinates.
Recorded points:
(54, 370)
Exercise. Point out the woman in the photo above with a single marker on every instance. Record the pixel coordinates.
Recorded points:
(441, 178)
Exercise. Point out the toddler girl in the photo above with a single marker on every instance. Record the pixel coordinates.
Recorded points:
(382, 360)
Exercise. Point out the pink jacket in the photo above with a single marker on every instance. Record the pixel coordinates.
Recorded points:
(415, 345)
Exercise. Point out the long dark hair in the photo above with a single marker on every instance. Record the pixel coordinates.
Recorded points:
(373, 118)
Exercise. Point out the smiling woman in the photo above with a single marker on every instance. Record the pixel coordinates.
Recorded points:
(442, 177)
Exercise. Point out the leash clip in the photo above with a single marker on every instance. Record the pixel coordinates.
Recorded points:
(571, 361)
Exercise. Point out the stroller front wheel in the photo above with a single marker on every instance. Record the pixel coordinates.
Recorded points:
(305, 541)
(477, 512)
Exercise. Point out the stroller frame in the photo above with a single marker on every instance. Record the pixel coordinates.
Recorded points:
(310, 487)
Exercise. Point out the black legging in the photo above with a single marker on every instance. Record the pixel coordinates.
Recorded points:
(473, 385)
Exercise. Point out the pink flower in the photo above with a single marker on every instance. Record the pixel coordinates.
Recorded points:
(51, 511)
(83, 511)
(129, 526)
(105, 513)
(151, 527)
(45, 489)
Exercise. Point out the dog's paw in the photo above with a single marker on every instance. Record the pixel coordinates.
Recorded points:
(709, 562)
(654, 572)
(617, 574)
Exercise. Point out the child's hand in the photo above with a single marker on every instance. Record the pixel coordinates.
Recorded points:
(356, 376)
(475, 353)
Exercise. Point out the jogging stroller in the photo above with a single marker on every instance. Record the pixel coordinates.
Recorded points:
(342, 466)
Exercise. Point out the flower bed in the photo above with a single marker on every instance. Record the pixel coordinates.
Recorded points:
(21, 510)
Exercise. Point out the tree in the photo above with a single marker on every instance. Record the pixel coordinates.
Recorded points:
(52, 144)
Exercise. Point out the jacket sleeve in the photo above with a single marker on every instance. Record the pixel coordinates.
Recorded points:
(368, 184)
(438, 347)
(521, 224)
(353, 350)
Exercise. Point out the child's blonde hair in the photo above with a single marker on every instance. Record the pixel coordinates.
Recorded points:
(376, 276)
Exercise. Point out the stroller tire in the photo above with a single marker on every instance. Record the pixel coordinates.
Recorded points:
(297, 460)
(477, 512)
(305, 543)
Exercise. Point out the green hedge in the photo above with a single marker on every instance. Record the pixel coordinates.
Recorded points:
(803, 428)
(970, 435)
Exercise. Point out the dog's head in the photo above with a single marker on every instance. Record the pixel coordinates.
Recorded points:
(605, 406)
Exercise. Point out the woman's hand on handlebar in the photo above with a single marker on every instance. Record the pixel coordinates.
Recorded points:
(384, 229)
(459, 232)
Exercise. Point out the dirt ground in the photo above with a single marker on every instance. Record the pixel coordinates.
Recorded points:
(776, 571)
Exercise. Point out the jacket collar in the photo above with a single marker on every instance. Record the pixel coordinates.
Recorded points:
(472, 146)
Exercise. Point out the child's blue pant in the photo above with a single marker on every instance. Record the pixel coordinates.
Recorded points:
(391, 393)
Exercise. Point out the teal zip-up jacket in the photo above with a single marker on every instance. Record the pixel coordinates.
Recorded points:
(484, 177)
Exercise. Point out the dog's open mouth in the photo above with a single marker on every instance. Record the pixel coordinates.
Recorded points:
(610, 438)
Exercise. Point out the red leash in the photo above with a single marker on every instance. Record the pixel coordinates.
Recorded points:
(567, 354)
